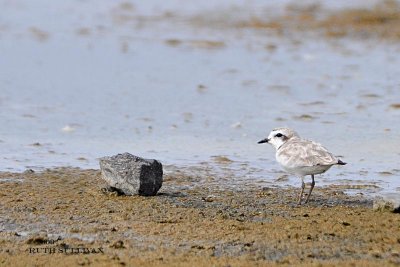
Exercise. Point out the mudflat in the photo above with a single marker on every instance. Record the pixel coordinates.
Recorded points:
(65, 217)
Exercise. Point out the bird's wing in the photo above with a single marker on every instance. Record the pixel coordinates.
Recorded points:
(301, 152)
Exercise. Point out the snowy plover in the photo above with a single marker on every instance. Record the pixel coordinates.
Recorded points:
(299, 156)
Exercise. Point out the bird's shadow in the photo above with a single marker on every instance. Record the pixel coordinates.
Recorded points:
(342, 202)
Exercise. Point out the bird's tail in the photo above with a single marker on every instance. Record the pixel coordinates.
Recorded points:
(341, 162)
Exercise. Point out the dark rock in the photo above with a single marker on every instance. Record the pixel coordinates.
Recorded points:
(387, 202)
(132, 175)
(37, 240)
(27, 171)
(118, 244)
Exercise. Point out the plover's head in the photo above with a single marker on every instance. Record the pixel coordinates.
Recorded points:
(279, 136)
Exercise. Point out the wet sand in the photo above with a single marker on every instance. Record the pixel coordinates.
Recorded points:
(210, 81)
(380, 21)
(45, 217)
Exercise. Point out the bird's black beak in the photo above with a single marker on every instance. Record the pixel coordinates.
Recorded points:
(263, 141)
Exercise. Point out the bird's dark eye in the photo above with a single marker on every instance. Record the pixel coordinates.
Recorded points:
(278, 135)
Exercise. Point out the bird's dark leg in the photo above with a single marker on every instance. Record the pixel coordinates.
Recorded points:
(303, 185)
(311, 188)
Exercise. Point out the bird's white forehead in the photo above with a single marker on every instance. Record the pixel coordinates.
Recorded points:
(285, 131)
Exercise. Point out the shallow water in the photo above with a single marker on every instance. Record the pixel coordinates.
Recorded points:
(80, 80)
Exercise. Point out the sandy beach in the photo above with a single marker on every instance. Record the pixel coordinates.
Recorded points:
(65, 217)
